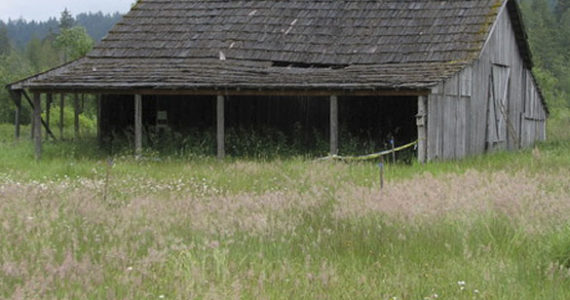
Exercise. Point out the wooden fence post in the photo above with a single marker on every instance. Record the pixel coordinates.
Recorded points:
(32, 123)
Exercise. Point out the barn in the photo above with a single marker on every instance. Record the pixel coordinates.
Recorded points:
(455, 75)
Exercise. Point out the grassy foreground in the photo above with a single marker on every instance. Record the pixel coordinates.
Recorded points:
(75, 226)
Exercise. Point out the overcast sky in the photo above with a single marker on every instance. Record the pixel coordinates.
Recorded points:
(41, 10)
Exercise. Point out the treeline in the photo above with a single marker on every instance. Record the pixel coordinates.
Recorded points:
(548, 28)
(20, 31)
(53, 43)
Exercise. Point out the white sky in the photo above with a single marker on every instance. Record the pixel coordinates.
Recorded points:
(41, 10)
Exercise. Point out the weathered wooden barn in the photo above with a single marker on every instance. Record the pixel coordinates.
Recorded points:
(453, 74)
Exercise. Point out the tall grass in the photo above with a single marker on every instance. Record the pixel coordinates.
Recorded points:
(83, 224)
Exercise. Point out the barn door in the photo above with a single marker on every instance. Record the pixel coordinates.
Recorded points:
(497, 107)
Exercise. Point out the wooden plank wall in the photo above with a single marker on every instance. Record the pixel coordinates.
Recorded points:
(533, 117)
(457, 108)
(448, 117)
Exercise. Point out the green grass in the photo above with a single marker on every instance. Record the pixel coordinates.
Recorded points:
(179, 227)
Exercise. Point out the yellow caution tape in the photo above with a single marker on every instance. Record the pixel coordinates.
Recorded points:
(370, 156)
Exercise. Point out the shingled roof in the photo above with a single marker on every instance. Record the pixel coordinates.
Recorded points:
(301, 44)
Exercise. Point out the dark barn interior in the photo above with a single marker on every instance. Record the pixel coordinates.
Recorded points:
(365, 123)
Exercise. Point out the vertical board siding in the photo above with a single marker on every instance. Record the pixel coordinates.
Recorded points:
(463, 111)
(515, 105)
(449, 123)
(533, 115)
(460, 133)
(458, 108)
(434, 125)
(448, 120)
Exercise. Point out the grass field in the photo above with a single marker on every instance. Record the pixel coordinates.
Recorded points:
(78, 225)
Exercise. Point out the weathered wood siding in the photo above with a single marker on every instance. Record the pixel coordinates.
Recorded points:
(533, 116)
(448, 112)
(461, 120)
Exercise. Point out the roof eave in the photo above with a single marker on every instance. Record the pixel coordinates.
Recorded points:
(515, 14)
(21, 84)
(245, 90)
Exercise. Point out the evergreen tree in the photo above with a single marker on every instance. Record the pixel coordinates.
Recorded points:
(97, 25)
(66, 21)
(41, 54)
(72, 40)
(33, 53)
(548, 26)
(4, 40)
(561, 8)
(13, 66)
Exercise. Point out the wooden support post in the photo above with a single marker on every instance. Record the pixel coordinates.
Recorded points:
(32, 123)
(421, 122)
(138, 126)
(37, 120)
(49, 99)
(76, 116)
(99, 134)
(334, 124)
(82, 104)
(220, 127)
(17, 97)
(31, 102)
(61, 114)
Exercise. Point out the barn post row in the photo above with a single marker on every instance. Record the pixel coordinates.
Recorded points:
(453, 74)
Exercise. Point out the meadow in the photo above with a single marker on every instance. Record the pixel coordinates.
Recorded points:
(81, 225)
